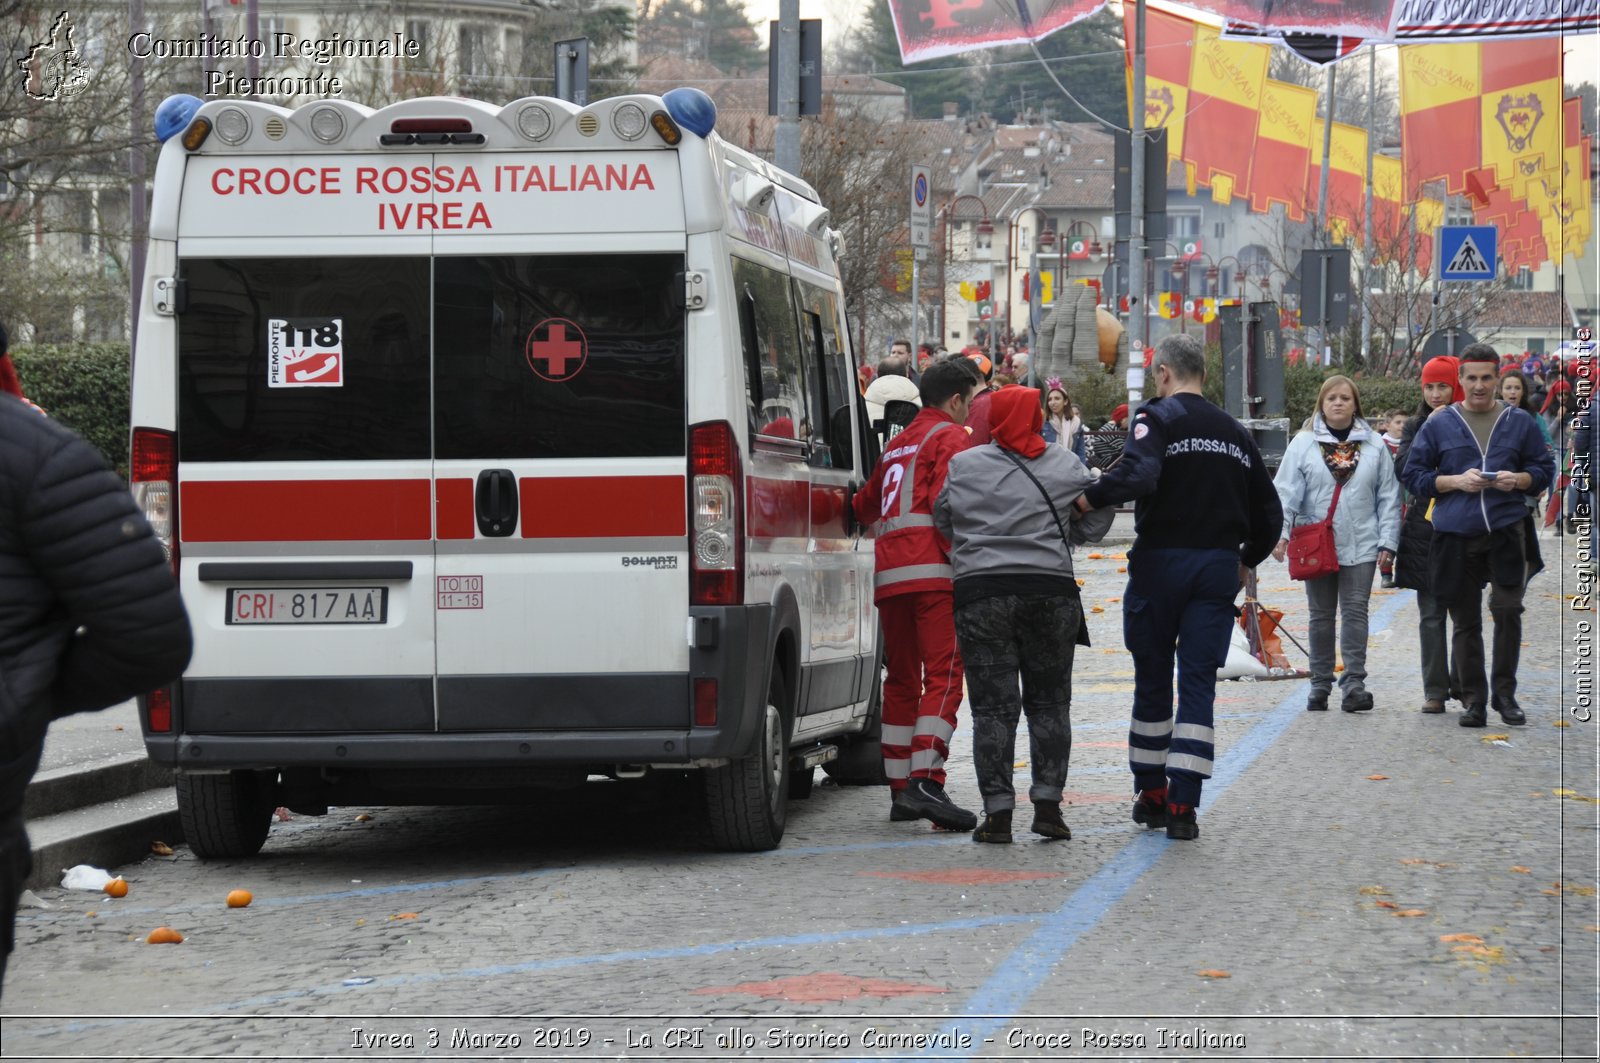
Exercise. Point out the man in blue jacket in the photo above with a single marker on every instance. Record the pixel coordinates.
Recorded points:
(1477, 459)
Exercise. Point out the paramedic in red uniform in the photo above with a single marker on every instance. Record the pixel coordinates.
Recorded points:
(914, 591)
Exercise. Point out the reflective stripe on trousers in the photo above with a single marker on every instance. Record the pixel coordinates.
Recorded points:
(1178, 605)
(906, 573)
(922, 689)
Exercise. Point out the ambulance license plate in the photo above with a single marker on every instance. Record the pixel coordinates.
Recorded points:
(308, 605)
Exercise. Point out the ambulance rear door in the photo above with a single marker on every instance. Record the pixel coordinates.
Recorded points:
(304, 442)
(561, 592)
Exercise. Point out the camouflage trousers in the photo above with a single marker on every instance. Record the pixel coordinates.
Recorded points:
(1028, 638)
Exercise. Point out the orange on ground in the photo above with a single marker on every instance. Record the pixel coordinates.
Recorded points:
(164, 935)
(240, 899)
(117, 887)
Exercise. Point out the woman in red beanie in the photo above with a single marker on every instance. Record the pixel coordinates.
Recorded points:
(1104, 446)
(1441, 385)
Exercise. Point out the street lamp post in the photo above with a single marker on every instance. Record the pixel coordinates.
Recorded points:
(985, 231)
(1045, 240)
(1095, 249)
(1180, 268)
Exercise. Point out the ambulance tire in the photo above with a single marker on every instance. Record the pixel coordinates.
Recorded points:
(226, 815)
(747, 798)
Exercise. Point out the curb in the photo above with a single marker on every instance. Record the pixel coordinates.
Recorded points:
(102, 813)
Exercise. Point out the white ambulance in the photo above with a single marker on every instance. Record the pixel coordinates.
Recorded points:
(498, 448)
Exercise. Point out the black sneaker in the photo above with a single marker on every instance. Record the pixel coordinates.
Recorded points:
(995, 828)
(1181, 823)
(1150, 811)
(1356, 701)
(929, 801)
(1509, 710)
(899, 812)
(1047, 821)
(1475, 716)
(1317, 702)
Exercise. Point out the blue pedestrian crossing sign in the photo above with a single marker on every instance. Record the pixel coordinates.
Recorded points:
(1467, 252)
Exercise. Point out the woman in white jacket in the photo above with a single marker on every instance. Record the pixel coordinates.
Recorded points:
(1340, 447)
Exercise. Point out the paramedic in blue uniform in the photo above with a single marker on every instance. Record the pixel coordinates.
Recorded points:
(1205, 513)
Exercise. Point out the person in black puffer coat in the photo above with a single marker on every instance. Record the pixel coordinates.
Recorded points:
(89, 610)
(1440, 387)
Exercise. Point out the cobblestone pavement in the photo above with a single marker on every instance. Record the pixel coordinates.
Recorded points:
(1375, 886)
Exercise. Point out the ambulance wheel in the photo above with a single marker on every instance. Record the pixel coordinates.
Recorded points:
(747, 798)
(226, 815)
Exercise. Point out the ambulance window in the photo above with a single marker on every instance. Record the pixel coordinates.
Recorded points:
(774, 376)
(829, 366)
(558, 356)
(302, 359)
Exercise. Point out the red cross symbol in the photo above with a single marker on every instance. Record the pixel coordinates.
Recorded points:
(549, 343)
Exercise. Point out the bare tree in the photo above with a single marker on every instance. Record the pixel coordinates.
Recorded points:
(858, 163)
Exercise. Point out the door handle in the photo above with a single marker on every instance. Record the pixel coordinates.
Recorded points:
(496, 502)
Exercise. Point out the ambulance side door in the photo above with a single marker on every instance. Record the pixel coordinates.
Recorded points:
(837, 582)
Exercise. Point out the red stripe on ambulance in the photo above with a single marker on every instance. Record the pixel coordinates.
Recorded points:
(455, 519)
(297, 511)
(581, 507)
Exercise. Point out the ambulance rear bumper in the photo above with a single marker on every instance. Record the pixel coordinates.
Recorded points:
(599, 721)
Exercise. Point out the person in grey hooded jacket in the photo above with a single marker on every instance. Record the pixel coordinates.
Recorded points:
(1017, 609)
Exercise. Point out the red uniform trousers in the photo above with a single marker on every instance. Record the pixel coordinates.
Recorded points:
(923, 688)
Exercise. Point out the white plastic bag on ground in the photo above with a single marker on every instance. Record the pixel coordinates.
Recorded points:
(84, 877)
(1241, 662)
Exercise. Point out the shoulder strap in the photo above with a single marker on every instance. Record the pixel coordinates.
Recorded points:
(1060, 527)
(1337, 487)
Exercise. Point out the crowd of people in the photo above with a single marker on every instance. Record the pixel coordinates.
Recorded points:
(982, 496)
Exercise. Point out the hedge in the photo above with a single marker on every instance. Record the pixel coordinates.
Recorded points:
(1097, 392)
(85, 387)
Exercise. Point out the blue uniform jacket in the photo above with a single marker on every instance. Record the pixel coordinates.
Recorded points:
(1445, 446)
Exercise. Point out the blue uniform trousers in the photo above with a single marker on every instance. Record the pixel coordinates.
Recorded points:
(1178, 603)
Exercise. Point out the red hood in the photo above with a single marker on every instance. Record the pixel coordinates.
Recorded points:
(1015, 418)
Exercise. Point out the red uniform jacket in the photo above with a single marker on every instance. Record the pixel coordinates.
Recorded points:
(910, 554)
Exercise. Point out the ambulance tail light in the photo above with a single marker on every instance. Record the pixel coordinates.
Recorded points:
(155, 484)
(716, 493)
(158, 710)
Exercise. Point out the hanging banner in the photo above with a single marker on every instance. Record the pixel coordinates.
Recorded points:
(1440, 20)
(928, 29)
(1283, 150)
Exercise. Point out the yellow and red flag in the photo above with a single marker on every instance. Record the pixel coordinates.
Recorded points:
(1347, 176)
(1426, 215)
(1521, 111)
(1168, 42)
(1170, 306)
(1226, 79)
(1440, 90)
(1388, 209)
(1283, 150)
